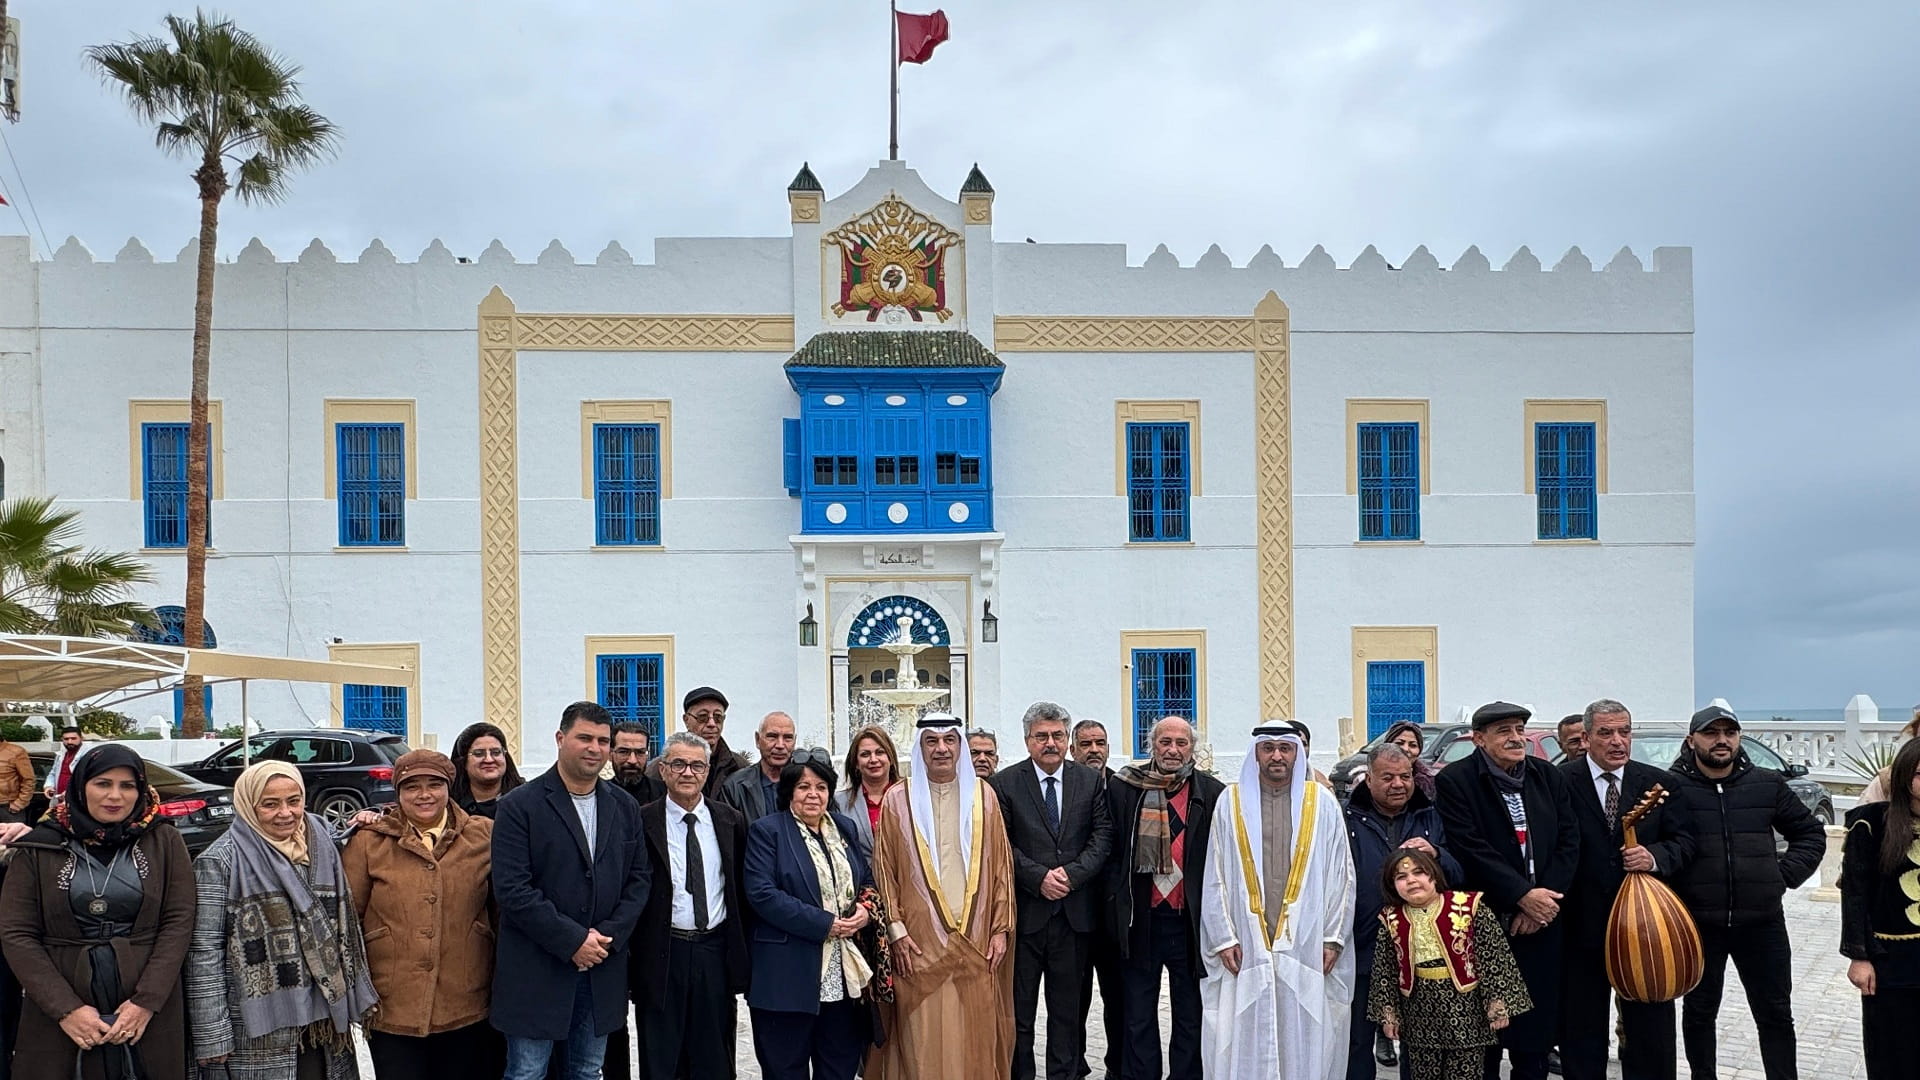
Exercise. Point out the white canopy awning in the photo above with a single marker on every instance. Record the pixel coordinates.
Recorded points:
(69, 670)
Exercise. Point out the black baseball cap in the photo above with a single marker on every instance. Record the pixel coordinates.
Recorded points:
(1710, 715)
(702, 693)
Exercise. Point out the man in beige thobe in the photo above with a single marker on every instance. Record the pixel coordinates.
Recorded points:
(943, 866)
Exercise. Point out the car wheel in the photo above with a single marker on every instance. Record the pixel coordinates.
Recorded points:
(1825, 813)
(337, 807)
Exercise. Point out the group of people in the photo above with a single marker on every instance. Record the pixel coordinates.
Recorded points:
(892, 928)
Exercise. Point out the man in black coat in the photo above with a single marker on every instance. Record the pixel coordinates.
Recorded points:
(1604, 787)
(692, 944)
(1510, 824)
(570, 878)
(1153, 896)
(1060, 829)
(1090, 748)
(1734, 886)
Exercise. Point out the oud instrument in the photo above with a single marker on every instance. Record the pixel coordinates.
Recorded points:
(1653, 947)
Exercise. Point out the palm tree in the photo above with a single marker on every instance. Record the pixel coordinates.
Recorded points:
(219, 97)
(50, 585)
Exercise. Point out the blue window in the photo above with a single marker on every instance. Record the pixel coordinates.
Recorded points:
(173, 631)
(1389, 469)
(1564, 480)
(374, 708)
(834, 443)
(626, 484)
(957, 450)
(1164, 684)
(371, 472)
(632, 687)
(1396, 691)
(896, 451)
(163, 484)
(790, 454)
(1158, 481)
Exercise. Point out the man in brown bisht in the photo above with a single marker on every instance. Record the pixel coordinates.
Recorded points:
(942, 864)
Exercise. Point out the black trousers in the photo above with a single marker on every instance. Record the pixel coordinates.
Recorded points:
(475, 1050)
(618, 1064)
(1056, 953)
(1764, 958)
(831, 1044)
(687, 1027)
(1886, 1030)
(1104, 961)
(1166, 949)
(1646, 1049)
(1360, 1032)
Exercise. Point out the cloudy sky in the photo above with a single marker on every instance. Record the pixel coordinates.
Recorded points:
(1781, 141)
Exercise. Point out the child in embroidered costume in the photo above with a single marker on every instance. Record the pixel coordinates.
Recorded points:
(1444, 980)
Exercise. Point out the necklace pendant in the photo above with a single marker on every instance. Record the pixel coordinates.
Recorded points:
(97, 906)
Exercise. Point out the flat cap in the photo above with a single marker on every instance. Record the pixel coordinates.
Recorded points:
(702, 693)
(1495, 711)
(1706, 717)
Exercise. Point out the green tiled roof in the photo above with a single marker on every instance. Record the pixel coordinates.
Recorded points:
(895, 348)
(976, 183)
(804, 180)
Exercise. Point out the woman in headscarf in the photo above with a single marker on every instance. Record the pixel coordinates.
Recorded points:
(1409, 737)
(95, 920)
(483, 769)
(276, 975)
(421, 876)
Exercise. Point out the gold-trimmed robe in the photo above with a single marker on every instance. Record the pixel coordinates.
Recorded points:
(953, 1017)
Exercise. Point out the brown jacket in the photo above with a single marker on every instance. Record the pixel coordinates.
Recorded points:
(428, 920)
(17, 784)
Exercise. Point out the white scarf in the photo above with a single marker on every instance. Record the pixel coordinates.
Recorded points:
(920, 796)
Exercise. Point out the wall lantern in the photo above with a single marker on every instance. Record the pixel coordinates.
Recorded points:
(809, 629)
(989, 625)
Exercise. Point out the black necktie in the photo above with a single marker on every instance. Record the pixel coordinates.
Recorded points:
(696, 875)
(1053, 804)
(1613, 799)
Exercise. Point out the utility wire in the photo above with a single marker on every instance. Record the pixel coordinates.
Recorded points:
(27, 195)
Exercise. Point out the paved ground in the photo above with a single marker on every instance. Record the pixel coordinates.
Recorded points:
(1826, 1008)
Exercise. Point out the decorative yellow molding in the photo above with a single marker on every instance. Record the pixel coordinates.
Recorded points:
(1273, 501)
(337, 411)
(1388, 411)
(653, 333)
(977, 209)
(1147, 412)
(626, 412)
(1049, 333)
(400, 654)
(499, 519)
(805, 206)
(1567, 411)
(1420, 643)
(172, 412)
(1162, 639)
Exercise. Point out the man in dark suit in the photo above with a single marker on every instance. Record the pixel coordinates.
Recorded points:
(1604, 786)
(752, 791)
(570, 878)
(692, 943)
(1090, 749)
(1059, 826)
(1510, 825)
(632, 743)
(1162, 812)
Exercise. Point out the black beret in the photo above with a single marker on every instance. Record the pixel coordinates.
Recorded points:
(1495, 711)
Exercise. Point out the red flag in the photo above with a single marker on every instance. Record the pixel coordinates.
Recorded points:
(919, 34)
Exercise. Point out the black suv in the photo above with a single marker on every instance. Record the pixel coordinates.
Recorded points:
(200, 811)
(345, 771)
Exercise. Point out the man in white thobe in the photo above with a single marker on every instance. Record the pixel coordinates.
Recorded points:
(1276, 915)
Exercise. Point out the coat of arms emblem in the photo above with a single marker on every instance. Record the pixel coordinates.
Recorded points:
(893, 257)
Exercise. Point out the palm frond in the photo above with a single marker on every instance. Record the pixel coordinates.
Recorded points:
(1870, 760)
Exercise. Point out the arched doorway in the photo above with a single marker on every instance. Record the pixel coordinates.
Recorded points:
(173, 623)
(870, 667)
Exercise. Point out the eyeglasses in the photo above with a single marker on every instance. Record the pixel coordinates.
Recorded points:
(716, 714)
(683, 766)
(487, 753)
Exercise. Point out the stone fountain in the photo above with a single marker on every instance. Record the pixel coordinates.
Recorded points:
(906, 695)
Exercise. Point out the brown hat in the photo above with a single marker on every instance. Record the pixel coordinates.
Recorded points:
(422, 763)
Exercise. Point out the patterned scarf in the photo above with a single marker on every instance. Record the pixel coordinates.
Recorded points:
(834, 871)
(1153, 831)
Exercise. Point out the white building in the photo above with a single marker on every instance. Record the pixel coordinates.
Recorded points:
(1363, 492)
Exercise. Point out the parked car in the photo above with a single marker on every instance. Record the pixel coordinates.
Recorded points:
(201, 811)
(1660, 746)
(345, 771)
(1445, 744)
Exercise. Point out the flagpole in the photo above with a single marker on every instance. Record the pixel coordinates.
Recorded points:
(893, 96)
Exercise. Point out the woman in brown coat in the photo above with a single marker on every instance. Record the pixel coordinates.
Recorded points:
(95, 919)
(421, 877)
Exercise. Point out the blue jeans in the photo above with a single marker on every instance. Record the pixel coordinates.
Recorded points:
(527, 1058)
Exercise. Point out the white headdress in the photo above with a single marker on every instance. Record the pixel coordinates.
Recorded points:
(920, 796)
(1250, 786)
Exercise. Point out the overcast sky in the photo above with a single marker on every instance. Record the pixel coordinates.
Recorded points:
(1778, 140)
